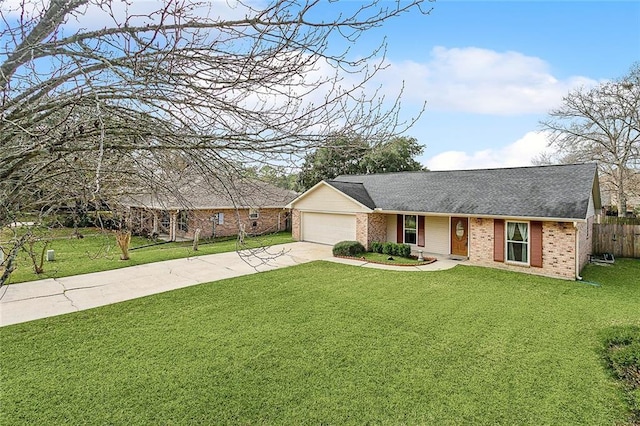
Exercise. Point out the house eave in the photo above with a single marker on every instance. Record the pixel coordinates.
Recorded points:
(190, 208)
(484, 216)
(321, 183)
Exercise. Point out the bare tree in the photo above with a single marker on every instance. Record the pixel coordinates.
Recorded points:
(601, 124)
(92, 91)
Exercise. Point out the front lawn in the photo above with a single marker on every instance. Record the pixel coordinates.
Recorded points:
(98, 251)
(326, 343)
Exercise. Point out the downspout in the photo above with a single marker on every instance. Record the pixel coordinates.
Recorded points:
(578, 277)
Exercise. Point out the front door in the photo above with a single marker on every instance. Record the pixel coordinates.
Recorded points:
(460, 236)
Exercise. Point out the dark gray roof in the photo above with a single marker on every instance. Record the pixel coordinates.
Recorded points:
(355, 191)
(559, 191)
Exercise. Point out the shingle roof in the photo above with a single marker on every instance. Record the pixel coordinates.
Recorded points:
(559, 191)
(210, 194)
(356, 191)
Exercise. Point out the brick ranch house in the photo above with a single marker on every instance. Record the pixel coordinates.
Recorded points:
(217, 209)
(537, 220)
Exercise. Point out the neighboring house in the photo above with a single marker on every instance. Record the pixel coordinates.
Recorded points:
(215, 208)
(528, 219)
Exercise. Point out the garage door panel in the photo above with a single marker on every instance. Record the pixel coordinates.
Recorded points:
(328, 228)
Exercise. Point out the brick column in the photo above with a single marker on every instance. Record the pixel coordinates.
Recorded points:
(295, 224)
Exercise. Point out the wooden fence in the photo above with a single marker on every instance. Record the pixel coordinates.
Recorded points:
(621, 240)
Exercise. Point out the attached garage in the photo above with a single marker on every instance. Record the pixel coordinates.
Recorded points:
(327, 228)
(326, 215)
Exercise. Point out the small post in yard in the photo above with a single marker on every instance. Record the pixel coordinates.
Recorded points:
(420, 257)
(51, 255)
(196, 238)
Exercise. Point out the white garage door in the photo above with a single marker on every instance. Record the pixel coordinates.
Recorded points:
(328, 228)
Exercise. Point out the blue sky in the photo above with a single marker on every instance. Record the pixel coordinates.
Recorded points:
(490, 70)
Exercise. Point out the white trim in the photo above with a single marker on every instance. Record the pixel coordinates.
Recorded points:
(449, 239)
(404, 229)
(506, 243)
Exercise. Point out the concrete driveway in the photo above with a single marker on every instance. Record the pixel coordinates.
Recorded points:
(55, 296)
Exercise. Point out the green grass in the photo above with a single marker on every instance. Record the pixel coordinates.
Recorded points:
(98, 251)
(621, 352)
(332, 344)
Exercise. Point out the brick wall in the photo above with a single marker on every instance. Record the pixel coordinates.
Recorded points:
(371, 227)
(585, 242)
(269, 220)
(362, 229)
(558, 248)
(481, 241)
(295, 224)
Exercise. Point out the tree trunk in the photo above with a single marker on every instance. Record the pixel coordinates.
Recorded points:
(622, 202)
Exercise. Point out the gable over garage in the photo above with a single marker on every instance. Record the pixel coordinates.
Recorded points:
(327, 215)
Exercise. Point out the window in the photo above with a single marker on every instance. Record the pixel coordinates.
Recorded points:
(165, 220)
(518, 242)
(253, 213)
(183, 221)
(410, 228)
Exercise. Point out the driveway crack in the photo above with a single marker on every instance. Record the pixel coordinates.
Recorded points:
(64, 293)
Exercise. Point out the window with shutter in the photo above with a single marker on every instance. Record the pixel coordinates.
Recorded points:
(536, 244)
(518, 242)
(420, 231)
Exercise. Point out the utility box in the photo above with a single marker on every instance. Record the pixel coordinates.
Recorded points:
(51, 255)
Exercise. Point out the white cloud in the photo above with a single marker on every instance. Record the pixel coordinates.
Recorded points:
(519, 153)
(482, 81)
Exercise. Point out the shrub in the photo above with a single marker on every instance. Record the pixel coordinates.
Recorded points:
(392, 249)
(403, 250)
(348, 248)
(376, 247)
(388, 248)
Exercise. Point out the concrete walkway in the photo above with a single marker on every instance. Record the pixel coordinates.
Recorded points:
(55, 296)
